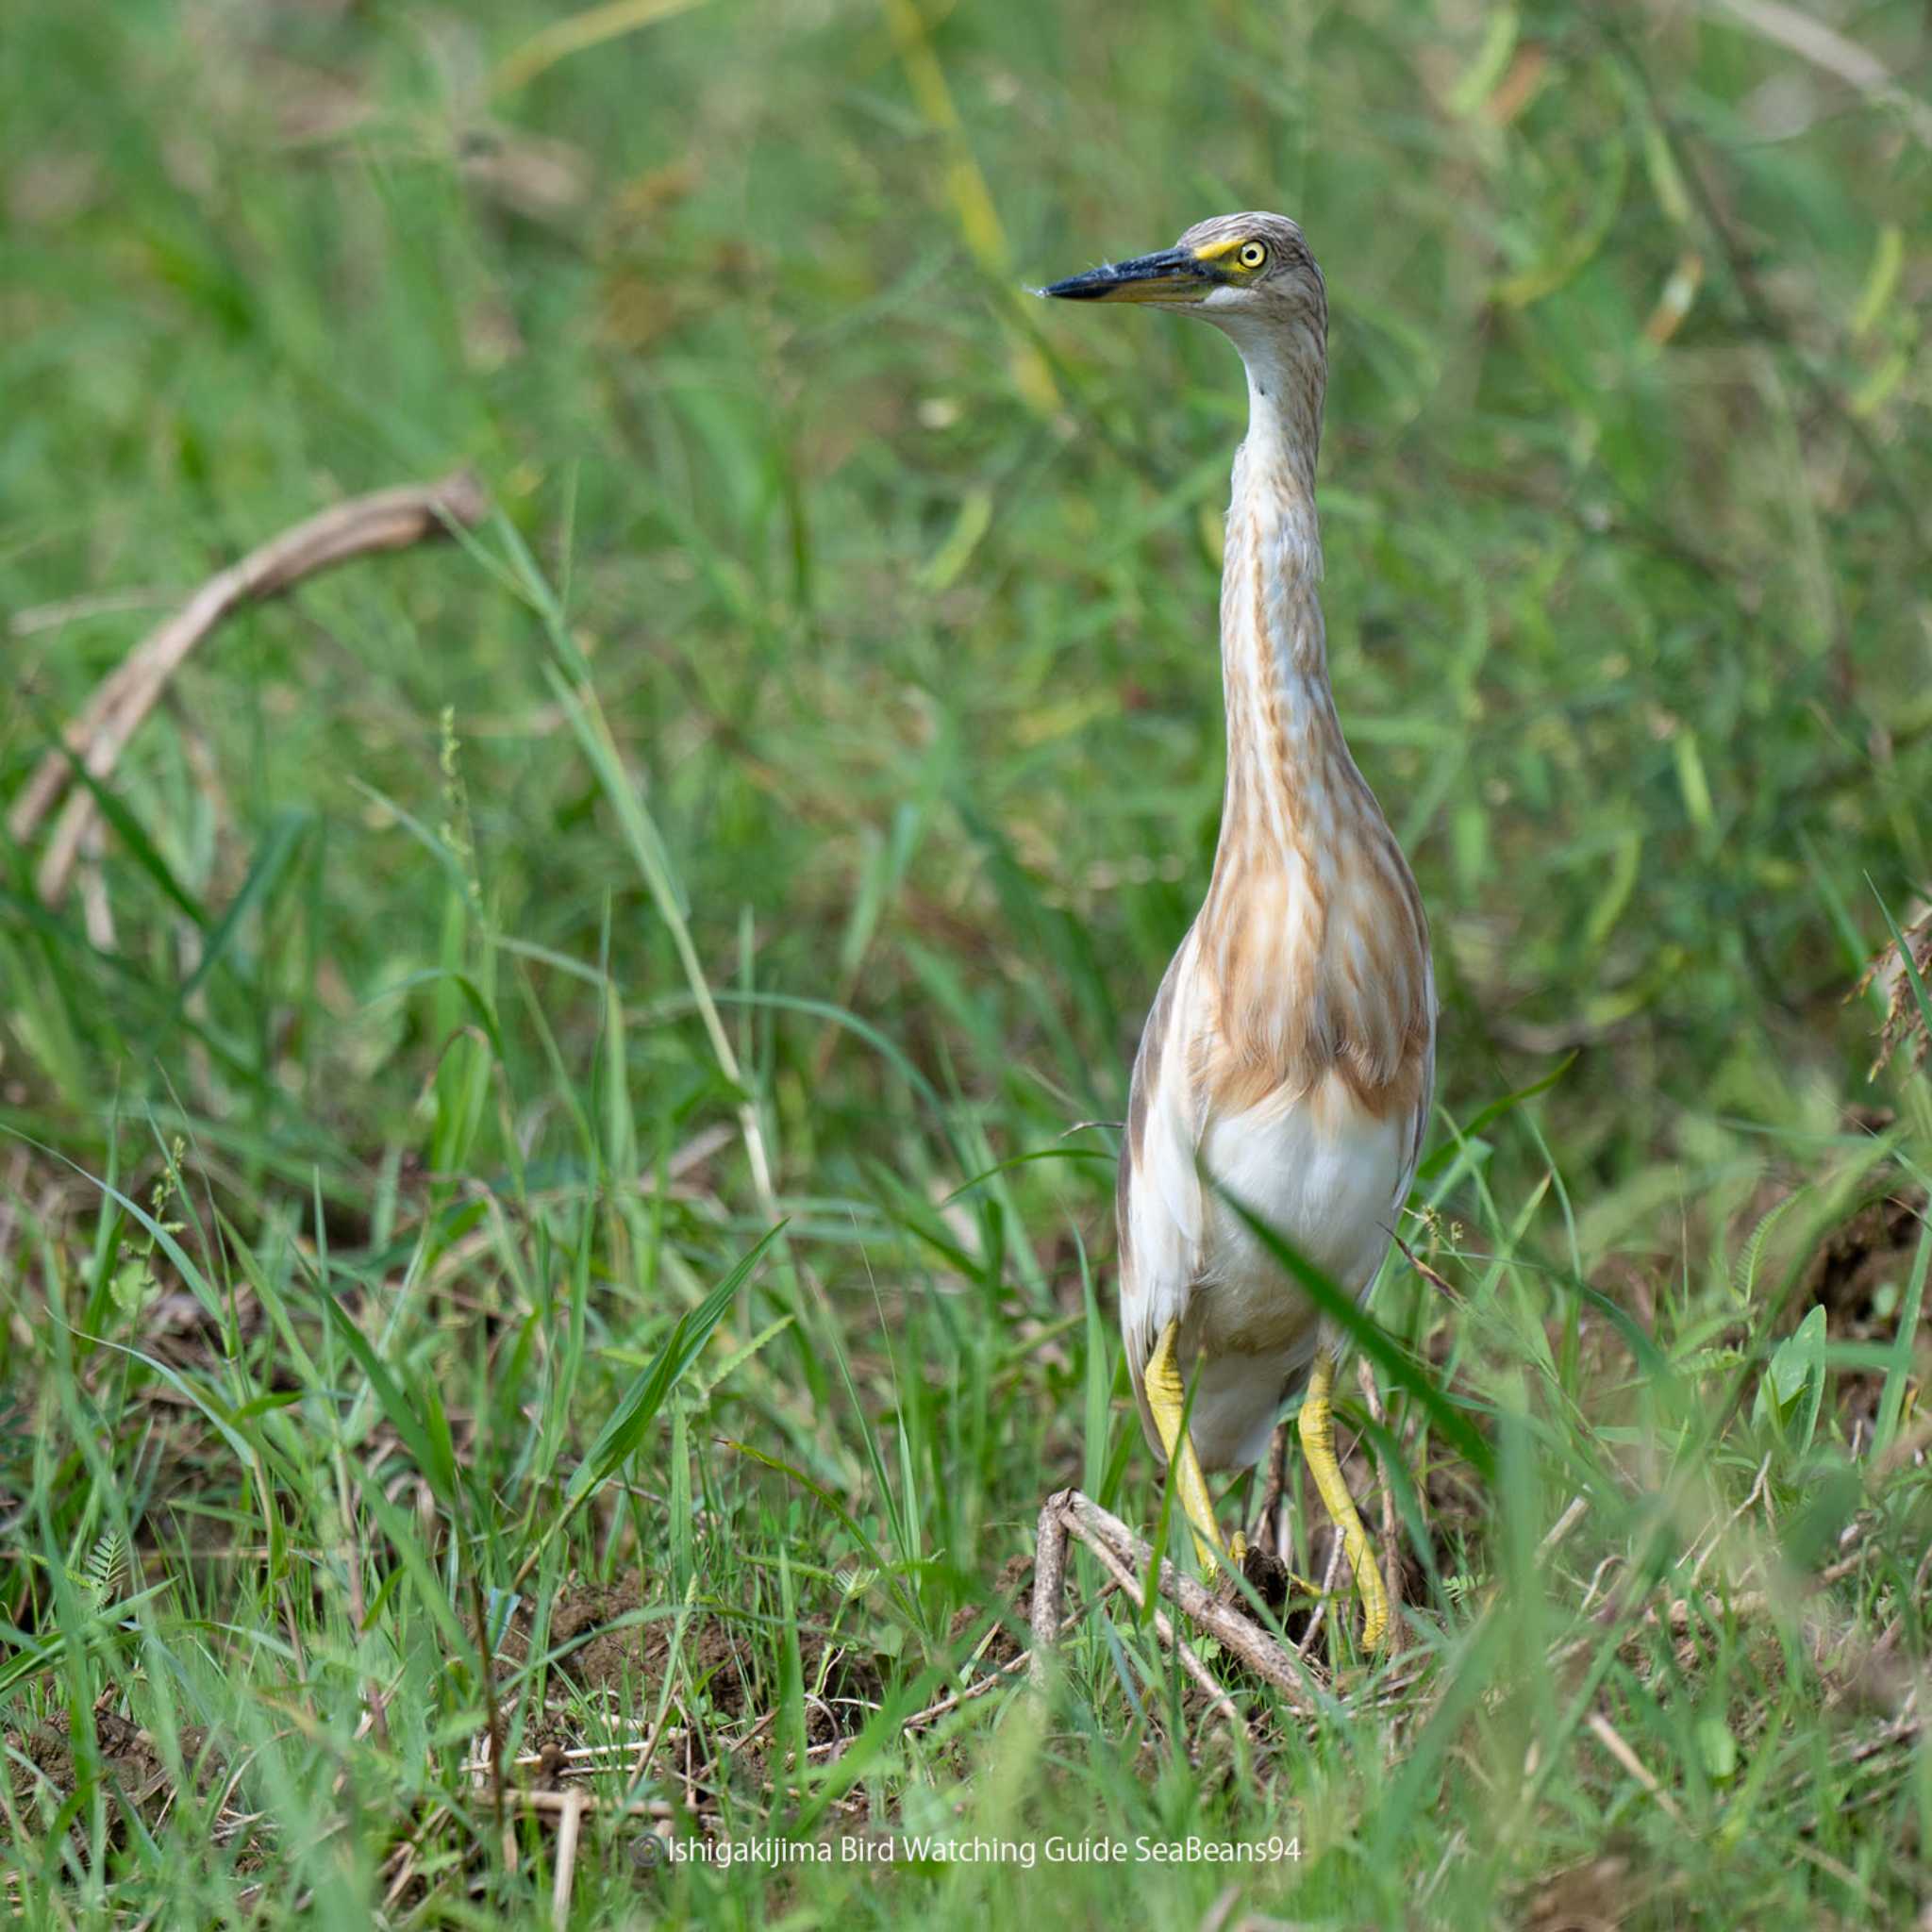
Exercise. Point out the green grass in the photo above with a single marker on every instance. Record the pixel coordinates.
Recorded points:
(557, 1102)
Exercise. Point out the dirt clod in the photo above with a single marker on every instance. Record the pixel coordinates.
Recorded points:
(42, 1761)
(1013, 1594)
(1267, 1575)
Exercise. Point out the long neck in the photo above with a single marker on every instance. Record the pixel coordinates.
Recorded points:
(1282, 734)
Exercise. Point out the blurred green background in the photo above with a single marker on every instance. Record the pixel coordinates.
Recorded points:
(893, 582)
(856, 611)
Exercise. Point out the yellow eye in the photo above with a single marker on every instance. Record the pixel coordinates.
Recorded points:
(1252, 255)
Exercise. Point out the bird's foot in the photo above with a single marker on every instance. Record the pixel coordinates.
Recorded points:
(1318, 1447)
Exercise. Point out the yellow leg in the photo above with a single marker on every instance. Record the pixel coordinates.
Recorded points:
(1168, 1399)
(1318, 1445)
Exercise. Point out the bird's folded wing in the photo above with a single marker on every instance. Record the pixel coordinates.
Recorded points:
(1159, 1203)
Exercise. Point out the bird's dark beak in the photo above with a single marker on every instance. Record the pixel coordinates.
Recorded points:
(1175, 276)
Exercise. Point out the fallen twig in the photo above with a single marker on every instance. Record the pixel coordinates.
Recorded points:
(1327, 1597)
(1049, 1583)
(384, 520)
(1218, 1699)
(570, 1824)
(556, 1804)
(1612, 1740)
(1068, 1512)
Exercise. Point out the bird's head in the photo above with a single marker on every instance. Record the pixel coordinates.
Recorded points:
(1251, 274)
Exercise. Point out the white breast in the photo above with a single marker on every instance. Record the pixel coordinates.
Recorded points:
(1322, 1172)
(1319, 1168)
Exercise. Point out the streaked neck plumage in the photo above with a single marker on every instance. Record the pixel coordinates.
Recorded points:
(1283, 739)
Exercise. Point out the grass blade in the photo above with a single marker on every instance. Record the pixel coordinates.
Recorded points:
(1340, 1307)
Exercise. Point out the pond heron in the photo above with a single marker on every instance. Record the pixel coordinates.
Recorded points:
(1290, 1054)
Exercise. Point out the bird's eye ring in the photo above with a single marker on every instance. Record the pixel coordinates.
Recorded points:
(1252, 255)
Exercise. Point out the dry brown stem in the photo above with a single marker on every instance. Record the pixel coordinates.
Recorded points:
(362, 526)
